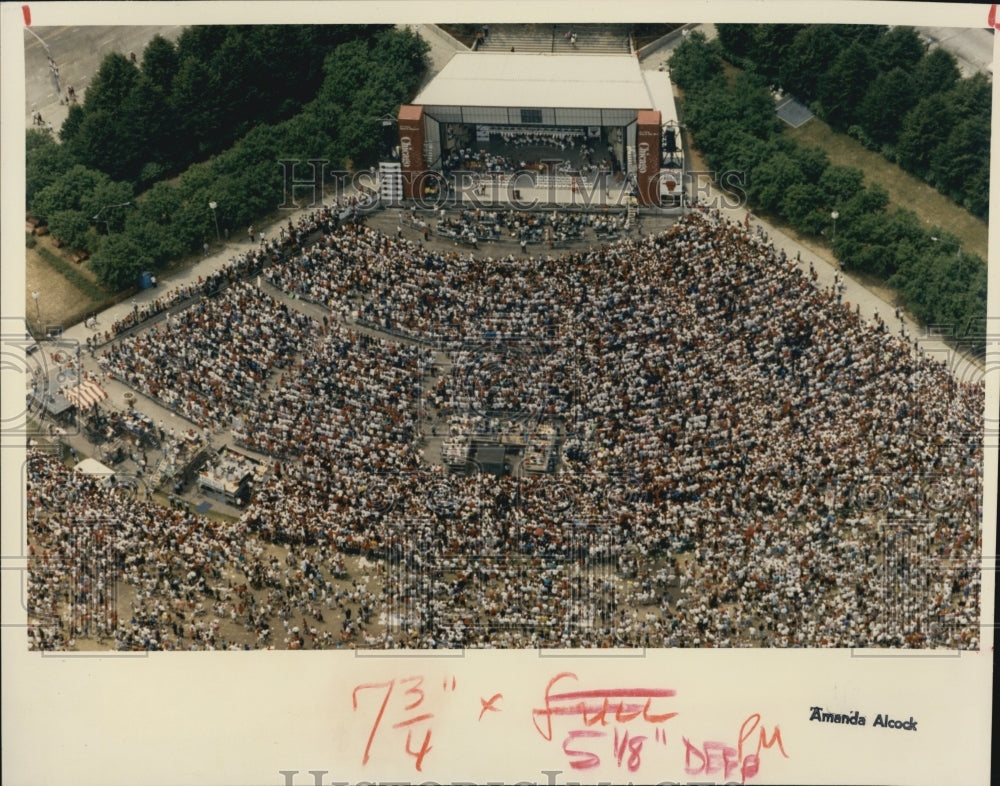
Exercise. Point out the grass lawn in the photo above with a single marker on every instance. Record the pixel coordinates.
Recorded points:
(67, 292)
(933, 208)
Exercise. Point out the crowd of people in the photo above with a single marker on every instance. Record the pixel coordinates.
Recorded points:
(751, 463)
(206, 286)
(347, 404)
(212, 360)
(136, 575)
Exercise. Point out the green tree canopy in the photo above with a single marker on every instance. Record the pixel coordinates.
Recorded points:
(159, 63)
(70, 226)
(901, 47)
(111, 84)
(45, 162)
(886, 103)
(924, 128)
(961, 155)
(770, 181)
(808, 57)
(119, 261)
(936, 72)
(843, 86)
(695, 61)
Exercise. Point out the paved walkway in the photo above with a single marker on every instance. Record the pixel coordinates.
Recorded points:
(973, 49)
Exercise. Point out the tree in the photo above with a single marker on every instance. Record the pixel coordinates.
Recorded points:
(107, 143)
(885, 105)
(812, 51)
(770, 181)
(924, 128)
(736, 39)
(840, 184)
(199, 41)
(869, 242)
(194, 103)
(159, 242)
(695, 61)
(771, 43)
(111, 201)
(870, 201)
(159, 63)
(972, 97)
(941, 286)
(901, 47)
(806, 208)
(976, 190)
(865, 35)
(71, 125)
(119, 261)
(961, 155)
(936, 72)
(753, 102)
(70, 226)
(45, 161)
(111, 84)
(154, 143)
(813, 161)
(843, 86)
(67, 192)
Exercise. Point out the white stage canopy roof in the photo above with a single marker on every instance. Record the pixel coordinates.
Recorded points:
(512, 79)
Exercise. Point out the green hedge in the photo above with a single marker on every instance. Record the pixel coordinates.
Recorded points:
(74, 276)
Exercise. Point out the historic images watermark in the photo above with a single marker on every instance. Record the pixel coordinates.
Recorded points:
(305, 184)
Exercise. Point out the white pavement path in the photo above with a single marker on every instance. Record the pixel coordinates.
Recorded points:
(972, 48)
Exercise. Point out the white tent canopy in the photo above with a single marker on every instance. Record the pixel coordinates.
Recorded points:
(91, 466)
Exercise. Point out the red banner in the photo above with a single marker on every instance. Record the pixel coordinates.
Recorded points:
(411, 149)
(648, 157)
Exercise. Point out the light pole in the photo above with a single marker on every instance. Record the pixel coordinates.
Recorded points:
(958, 253)
(97, 216)
(834, 215)
(38, 309)
(212, 206)
(53, 68)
